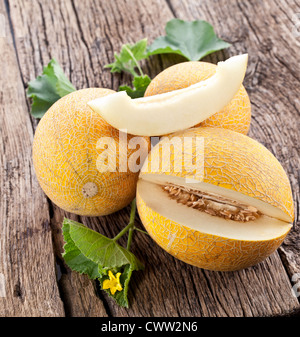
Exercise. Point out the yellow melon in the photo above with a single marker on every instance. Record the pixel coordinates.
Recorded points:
(223, 203)
(235, 116)
(66, 157)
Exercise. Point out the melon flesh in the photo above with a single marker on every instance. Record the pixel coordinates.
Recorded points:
(266, 227)
(176, 110)
(263, 207)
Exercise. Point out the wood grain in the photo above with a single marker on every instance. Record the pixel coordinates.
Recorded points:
(26, 260)
(82, 36)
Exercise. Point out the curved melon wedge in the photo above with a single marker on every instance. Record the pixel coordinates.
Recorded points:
(176, 110)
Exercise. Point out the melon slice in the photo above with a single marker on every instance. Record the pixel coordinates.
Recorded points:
(176, 110)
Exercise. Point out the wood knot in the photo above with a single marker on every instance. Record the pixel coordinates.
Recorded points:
(18, 291)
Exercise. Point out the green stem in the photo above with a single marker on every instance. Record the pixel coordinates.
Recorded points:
(140, 230)
(129, 238)
(123, 231)
(130, 224)
(135, 60)
(132, 212)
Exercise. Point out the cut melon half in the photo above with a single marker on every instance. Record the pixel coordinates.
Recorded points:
(176, 110)
(195, 236)
(232, 216)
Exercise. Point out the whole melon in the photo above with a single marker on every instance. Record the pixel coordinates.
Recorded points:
(235, 116)
(65, 155)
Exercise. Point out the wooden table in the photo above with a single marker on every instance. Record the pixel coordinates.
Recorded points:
(82, 36)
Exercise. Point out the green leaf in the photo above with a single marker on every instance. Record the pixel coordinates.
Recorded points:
(140, 84)
(127, 59)
(74, 258)
(47, 88)
(85, 249)
(100, 249)
(191, 39)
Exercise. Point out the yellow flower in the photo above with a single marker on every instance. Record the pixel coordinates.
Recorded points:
(113, 283)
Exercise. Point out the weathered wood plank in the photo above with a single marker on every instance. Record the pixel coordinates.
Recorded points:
(266, 30)
(82, 35)
(26, 261)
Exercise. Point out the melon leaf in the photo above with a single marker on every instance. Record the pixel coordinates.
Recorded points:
(127, 59)
(74, 257)
(140, 84)
(47, 88)
(92, 253)
(191, 39)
